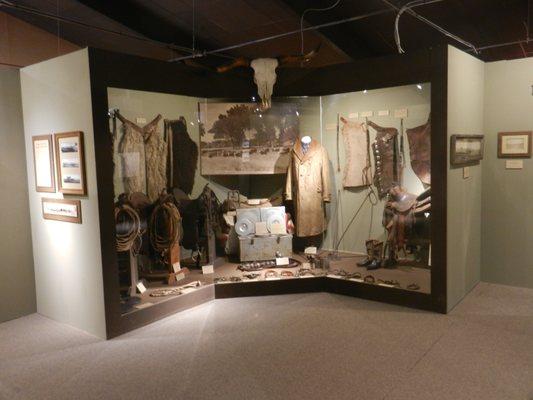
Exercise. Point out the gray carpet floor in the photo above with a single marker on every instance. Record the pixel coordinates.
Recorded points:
(309, 346)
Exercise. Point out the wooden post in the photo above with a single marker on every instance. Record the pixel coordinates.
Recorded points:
(134, 274)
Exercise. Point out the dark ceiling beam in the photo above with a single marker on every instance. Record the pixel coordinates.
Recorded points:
(143, 20)
(344, 37)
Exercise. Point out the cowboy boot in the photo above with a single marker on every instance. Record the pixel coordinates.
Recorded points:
(376, 256)
(369, 254)
(390, 260)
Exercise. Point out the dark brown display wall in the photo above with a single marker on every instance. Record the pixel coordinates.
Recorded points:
(129, 72)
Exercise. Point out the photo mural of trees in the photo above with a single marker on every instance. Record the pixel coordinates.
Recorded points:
(246, 125)
(241, 139)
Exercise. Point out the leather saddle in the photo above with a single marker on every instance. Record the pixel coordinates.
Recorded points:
(406, 217)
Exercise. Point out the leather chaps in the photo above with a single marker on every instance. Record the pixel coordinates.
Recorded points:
(420, 151)
(387, 168)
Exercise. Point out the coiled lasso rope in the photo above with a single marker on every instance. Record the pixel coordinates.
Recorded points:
(165, 227)
(128, 228)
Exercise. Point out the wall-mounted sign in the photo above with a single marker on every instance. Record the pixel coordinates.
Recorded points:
(62, 210)
(43, 163)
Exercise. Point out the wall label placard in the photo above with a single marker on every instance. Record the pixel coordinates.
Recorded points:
(514, 164)
(401, 113)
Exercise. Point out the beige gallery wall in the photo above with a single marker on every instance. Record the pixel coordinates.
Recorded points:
(507, 211)
(17, 281)
(56, 97)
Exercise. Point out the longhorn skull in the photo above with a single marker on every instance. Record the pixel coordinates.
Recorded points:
(265, 72)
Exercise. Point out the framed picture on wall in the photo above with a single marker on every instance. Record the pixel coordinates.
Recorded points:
(70, 162)
(466, 149)
(514, 144)
(43, 163)
(65, 210)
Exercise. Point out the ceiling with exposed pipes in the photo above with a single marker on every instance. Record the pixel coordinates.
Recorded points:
(226, 29)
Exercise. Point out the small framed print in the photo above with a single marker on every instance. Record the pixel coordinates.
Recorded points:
(514, 144)
(65, 210)
(70, 162)
(466, 149)
(43, 163)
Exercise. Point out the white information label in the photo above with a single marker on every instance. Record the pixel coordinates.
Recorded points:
(400, 113)
(383, 113)
(176, 266)
(466, 172)
(180, 276)
(141, 287)
(353, 115)
(208, 269)
(310, 250)
(365, 114)
(282, 261)
(140, 120)
(514, 164)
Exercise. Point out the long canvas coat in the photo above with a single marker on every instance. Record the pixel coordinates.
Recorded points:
(308, 186)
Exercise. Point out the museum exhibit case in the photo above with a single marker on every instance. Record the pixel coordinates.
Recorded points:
(370, 222)
(203, 190)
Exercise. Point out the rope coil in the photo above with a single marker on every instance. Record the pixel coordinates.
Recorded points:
(165, 227)
(128, 229)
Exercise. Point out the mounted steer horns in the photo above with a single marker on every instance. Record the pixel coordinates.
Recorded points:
(265, 71)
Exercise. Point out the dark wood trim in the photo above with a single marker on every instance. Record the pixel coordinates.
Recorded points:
(439, 177)
(81, 155)
(62, 218)
(366, 291)
(145, 316)
(103, 145)
(501, 135)
(268, 288)
(128, 72)
(50, 140)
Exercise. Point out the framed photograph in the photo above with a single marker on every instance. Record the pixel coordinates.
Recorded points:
(70, 162)
(514, 144)
(43, 163)
(65, 210)
(466, 149)
(241, 139)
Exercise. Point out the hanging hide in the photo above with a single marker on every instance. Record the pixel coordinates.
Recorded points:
(356, 146)
(183, 155)
(420, 150)
(155, 148)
